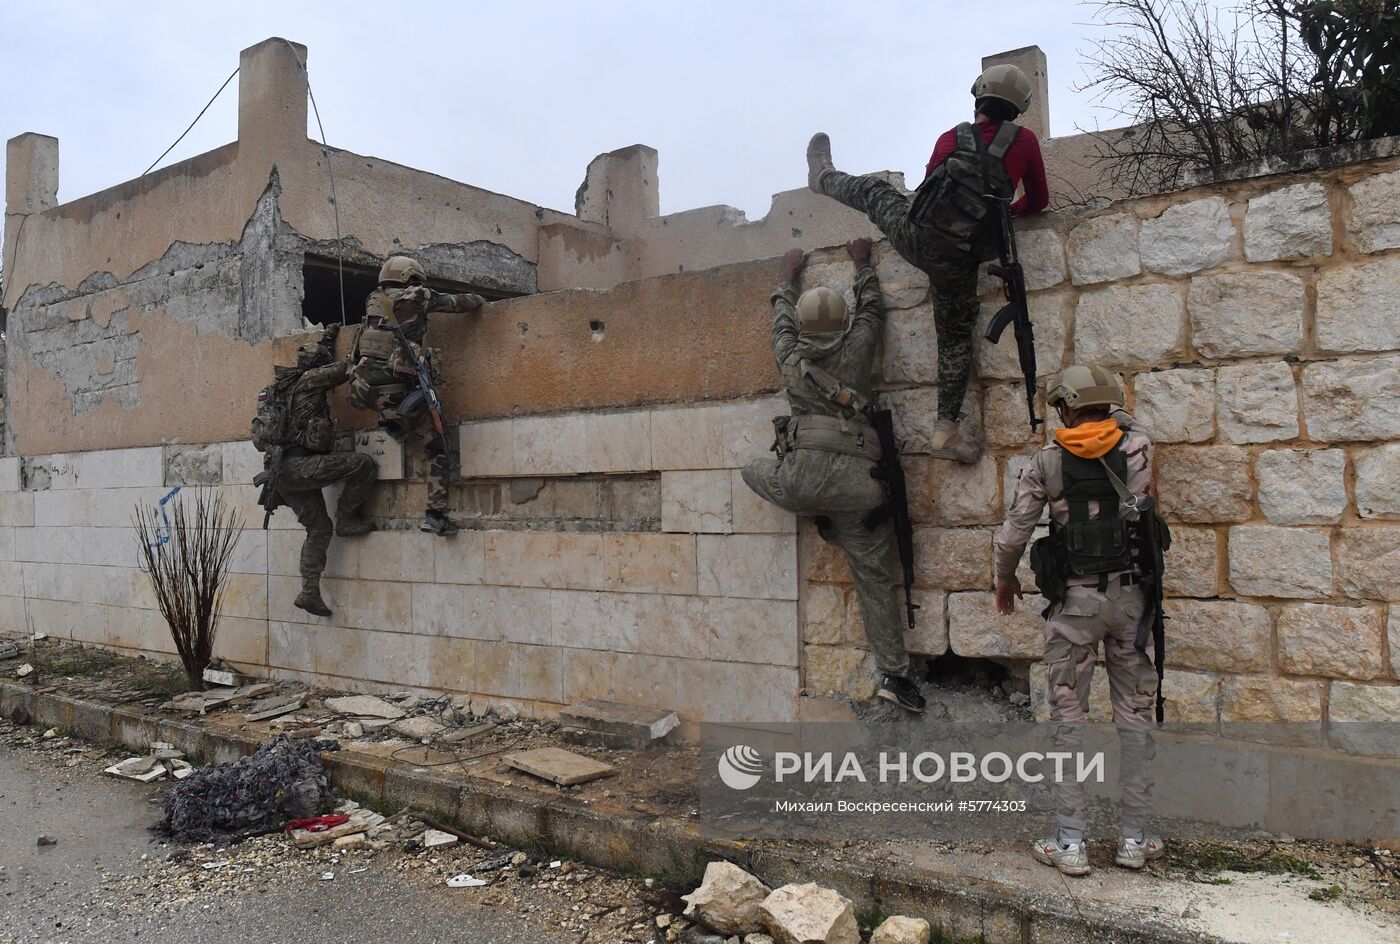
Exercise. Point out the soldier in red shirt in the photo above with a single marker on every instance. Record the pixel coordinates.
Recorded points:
(947, 227)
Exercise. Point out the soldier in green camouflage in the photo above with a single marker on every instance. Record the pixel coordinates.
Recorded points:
(306, 463)
(382, 379)
(827, 449)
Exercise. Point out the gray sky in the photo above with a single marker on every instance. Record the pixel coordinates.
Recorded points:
(518, 96)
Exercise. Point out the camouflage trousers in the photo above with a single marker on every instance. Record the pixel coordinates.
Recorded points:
(1073, 633)
(952, 276)
(812, 482)
(416, 431)
(299, 486)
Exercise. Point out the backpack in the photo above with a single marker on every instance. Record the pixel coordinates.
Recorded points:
(271, 427)
(950, 203)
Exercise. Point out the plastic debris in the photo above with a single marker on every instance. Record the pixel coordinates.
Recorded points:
(465, 881)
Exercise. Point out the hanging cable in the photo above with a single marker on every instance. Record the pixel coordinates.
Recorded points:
(335, 202)
(192, 123)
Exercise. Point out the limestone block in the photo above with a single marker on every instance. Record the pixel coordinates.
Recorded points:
(810, 914)
(386, 452)
(9, 473)
(1175, 405)
(1368, 562)
(1103, 249)
(487, 449)
(977, 630)
(1191, 698)
(731, 692)
(1240, 314)
(437, 608)
(727, 900)
(1373, 218)
(747, 428)
(17, 509)
(1378, 482)
(1352, 399)
(461, 560)
(697, 501)
(1331, 641)
(748, 565)
(901, 285)
(754, 515)
(1042, 257)
(241, 462)
(953, 558)
(1219, 635)
(1358, 307)
(824, 614)
(1193, 563)
(1050, 317)
(687, 438)
(544, 559)
(899, 929)
(916, 410)
(395, 555)
(1005, 419)
(1123, 325)
(550, 445)
(1188, 237)
(616, 622)
(1257, 699)
(1256, 403)
(1302, 486)
(824, 562)
(839, 670)
(1204, 483)
(966, 494)
(1288, 223)
(909, 349)
(649, 563)
(756, 631)
(929, 636)
(193, 465)
(1268, 561)
(617, 442)
(1362, 718)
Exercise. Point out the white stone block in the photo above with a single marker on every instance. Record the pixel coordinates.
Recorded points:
(1288, 223)
(1188, 237)
(437, 608)
(611, 622)
(1348, 400)
(748, 428)
(618, 442)
(901, 285)
(1256, 403)
(563, 560)
(403, 556)
(909, 349)
(1291, 563)
(649, 563)
(687, 438)
(1358, 307)
(753, 515)
(977, 630)
(1042, 257)
(698, 501)
(1175, 405)
(551, 445)
(460, 560)
(1050, 313)
(1103, 249)
(487, 448)
(386, 452)
(1302, 486)
(9, 473)
(1122, 325)
(737, 630)
(1378, 482)
(241, 462)
(748, 565)
(1246, 313)
(498, 613)
(1373, 221)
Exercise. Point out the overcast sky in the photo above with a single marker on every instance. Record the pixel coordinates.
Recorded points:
(517, 97)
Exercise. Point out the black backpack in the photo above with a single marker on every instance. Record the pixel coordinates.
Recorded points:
(950, 205)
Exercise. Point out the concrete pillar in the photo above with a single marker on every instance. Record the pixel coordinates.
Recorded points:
(271, 96)
(1031, 60)
(31, 173)
(620, 189)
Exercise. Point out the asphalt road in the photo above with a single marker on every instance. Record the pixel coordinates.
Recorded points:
(80, 889)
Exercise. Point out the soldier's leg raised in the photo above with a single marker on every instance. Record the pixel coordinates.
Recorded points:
(310, 509)
(358, 472)
(1132, 687)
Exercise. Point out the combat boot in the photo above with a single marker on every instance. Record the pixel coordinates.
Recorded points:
(349, 527)
(437, 522)
(950, 442)
(818, 160)
(310, 599)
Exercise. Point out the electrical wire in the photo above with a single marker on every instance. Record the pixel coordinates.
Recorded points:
(192, 123)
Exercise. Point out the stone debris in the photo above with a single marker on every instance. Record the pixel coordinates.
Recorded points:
(728, 900)
(231, 678)
(757, 939)
(362, 706)
(24, 671)
(465, 881)
(206, 701)
(899, 929)
(419, 728)
(559, 766)
(46, 841)
(146, 769)
(433, 838)
(810, 914)
(9, 650)
(618, 726)
(274, 706)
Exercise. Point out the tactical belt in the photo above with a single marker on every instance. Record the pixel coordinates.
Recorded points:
(834, 434)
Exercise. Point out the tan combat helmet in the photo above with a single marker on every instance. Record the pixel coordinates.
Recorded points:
(1081, 385)
(400, 270)
(820, 310)
(1005, 82)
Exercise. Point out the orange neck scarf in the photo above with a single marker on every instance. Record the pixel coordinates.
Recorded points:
(1090, 440)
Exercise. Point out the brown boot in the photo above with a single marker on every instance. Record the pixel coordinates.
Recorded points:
(354, 527)
(310, 599)
(818, 160)
(950, 442)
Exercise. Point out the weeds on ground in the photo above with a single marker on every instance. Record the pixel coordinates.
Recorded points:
(1330, 893)
(1205, 864)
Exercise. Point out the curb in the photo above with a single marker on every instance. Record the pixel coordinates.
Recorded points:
(673, 851)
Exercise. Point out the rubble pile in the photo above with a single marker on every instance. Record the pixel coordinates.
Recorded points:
(165, 760)
(283, 780)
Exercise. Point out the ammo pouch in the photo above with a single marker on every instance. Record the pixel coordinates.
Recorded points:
(780, 435)
(319, 435)
(848, 437)
(1049, 566)
(378, 344)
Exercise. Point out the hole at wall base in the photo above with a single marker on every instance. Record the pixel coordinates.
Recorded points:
(597, 328)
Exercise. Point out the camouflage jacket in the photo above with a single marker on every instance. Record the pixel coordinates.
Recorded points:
(847, 355)
(309, 415)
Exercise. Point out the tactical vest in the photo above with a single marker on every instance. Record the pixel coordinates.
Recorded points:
(1101, 545)
(950, 203)
(848, 433)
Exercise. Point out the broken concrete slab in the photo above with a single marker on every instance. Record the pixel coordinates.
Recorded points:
(142, 769)
(274, 706)
(226, 677)
(203, 702)
(433, 838)
(559, 766)
(365, 706)
(9, 650)
(417, 729)
(728, 900)
(810, 914)
(615, 725)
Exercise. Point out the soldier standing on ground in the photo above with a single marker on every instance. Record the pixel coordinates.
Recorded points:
(1090, 477)
(382, 379)
(947, 227)
(305, 462)
(827, 449)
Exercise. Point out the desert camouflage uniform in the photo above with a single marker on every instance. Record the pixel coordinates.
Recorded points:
(381, 376)
(811, 481)
(1074, 629)
(310, 466)
(952, 276)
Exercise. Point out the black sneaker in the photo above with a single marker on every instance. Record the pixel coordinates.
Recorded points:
(902, 691)
(437, 522)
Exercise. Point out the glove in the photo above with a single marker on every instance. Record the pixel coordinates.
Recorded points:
(416, 294)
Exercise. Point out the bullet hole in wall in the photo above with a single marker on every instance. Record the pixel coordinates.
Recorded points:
(597, 328)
